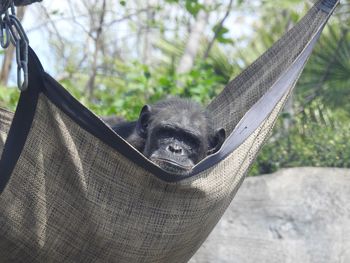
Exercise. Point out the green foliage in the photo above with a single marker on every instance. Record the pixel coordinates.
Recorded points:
(319, 135)
(9, 97)
(319, 131)
(327, 76)
(135, 84)
(201, 83)
(192, 6)
(283, 4)
(221, 32)
(317, 146)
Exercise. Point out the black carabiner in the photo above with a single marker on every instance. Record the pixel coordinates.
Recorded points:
(22, 85)
(22, 63)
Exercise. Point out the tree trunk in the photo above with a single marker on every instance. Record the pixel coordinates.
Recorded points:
(147, 40)
(192, 47)
(98, 46)
(9, 54)
(218, 29)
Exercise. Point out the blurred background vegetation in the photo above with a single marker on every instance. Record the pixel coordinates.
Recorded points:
(115, 56)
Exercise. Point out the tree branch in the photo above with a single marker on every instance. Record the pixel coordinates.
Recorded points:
(98, 45)
(218, 29)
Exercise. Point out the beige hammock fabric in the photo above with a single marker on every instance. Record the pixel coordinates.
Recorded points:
(72, 191)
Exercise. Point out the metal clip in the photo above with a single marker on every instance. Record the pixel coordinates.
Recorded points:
(22, 64)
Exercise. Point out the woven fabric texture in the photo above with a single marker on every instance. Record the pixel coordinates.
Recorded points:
(72, 198)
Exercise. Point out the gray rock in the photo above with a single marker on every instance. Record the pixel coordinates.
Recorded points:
(295, 215)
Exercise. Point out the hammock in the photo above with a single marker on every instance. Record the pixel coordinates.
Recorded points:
(72, 190)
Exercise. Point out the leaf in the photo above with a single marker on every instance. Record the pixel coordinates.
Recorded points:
(193, 7)
(147, 74)
(220, 32)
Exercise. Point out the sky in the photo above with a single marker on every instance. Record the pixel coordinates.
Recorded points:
(40, 43)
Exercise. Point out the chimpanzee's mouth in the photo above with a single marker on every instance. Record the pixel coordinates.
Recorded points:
(171, 166)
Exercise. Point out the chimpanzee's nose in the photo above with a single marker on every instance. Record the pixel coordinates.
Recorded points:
(176, 149)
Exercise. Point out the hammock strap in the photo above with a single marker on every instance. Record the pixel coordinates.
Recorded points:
(327, 5)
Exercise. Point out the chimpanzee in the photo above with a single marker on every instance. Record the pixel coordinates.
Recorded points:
(174, 133)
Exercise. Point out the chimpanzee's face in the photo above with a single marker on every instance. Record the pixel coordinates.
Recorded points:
(177, 135)
(176, 143)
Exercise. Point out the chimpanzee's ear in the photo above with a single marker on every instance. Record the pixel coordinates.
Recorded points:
(142, 123)
(216, 140)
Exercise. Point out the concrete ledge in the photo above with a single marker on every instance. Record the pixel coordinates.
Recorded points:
(294, 215)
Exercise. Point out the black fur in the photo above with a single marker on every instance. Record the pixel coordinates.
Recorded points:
(173, 133)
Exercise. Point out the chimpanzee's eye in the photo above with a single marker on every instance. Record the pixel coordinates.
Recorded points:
(166, 132)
